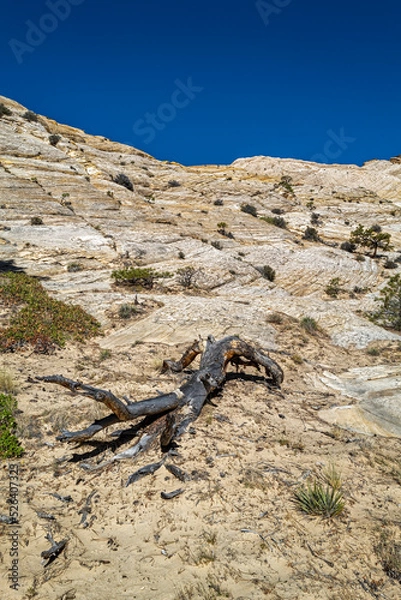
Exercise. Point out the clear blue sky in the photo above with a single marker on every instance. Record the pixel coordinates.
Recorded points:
(291, 83)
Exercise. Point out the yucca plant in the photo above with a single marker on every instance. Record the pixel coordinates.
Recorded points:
(323, 497)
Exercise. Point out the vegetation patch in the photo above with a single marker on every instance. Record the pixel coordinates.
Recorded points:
(138, 277)
(42, 321)
(389, 312)
(124, 180)
(323, 497)
(311, 234)
(389, 553)
(333, 288)
(372, 238)
(309, 324)
(276, 221)
(4, 110)
(267, 272)
(29, 115)
(249, 209)
(9, 444)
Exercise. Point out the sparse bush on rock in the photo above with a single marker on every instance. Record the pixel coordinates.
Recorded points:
(137, 277)
(29, 115)
(54, 139)
(311, 234)
(36, 221)
(4, 111)
(124, 180)
(249, 209)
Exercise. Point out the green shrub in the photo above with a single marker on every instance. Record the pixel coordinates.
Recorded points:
(311, 234)
(217, 245)
(309, 324)
(389, 312)
(74, 267)
(285, 183)
(268, 272)
(348, 247)
(321, 498)
(276, 221)
(36, 221)
(30, 116)
(9, 444)
(137, 277)
(126, 311)
(124, 180)
(4, 111)
(333, 287)
(54, 139)
(42, 321)
(249, 209)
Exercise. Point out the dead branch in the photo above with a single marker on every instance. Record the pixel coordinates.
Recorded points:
(171, 413)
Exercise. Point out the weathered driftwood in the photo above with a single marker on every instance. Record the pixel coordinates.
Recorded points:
(168, 415)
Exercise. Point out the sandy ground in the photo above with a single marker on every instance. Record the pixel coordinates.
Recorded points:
(234, 532)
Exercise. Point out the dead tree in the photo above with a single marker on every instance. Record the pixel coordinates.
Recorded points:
(167, 416)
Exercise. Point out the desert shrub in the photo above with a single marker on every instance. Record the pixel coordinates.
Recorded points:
(54, 139)
(126, 311)
(372, 238)
(36, 221)
(249, 209)
(187, 276)
(4, 110)
(221, 225)
(323, 497)
(276, 221)
(7, 383)
(389, 553)
(267, 272)
(389, 312)
(274, 317)
(137, 277)
(285, 183)
(333, 287)
(181, 255)
(174, 183)
(42, 321)
(218, 202)
(390, 264)
(29, 115)
(9, 444)
(216, 244)
(348, 246)
(311, 234)
(74, 267)
(309, 324)
(124, 180)
(315, 218)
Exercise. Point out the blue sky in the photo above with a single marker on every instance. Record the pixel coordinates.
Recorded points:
(209, 82)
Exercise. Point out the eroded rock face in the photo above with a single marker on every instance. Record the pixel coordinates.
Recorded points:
(87, 217)
(378, 391)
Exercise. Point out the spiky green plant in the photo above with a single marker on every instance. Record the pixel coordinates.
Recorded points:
(323, 497)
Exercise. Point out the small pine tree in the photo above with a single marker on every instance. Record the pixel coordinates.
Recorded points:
(371, 237)
(389, 313)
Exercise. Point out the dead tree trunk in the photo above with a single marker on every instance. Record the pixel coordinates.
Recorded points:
(170, 414)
